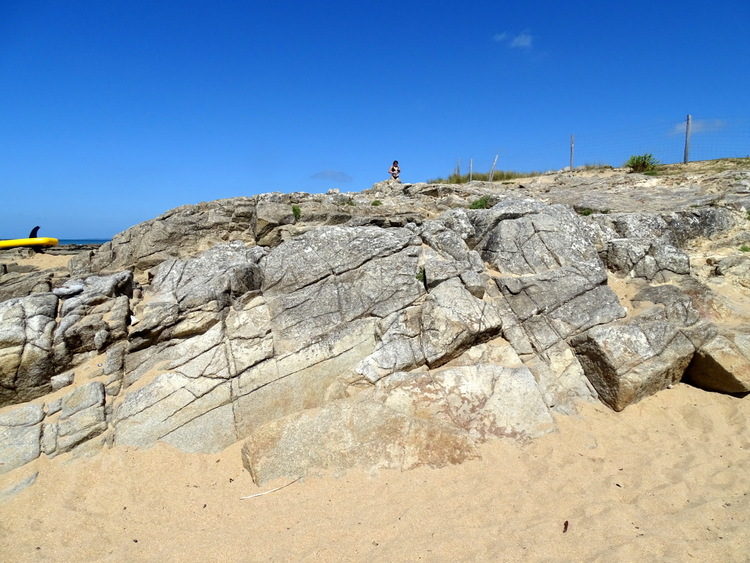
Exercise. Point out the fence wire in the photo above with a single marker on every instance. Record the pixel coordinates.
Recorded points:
(709, 139)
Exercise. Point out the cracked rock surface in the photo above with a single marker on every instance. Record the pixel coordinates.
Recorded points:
(399, 335)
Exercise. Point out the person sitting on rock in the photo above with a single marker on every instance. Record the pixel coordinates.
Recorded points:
(395, 171)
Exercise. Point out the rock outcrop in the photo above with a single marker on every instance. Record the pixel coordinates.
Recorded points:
(329, 331)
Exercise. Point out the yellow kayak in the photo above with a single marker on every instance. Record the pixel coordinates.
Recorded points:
(31, 242)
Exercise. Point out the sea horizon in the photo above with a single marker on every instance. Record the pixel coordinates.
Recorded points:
(83, 240)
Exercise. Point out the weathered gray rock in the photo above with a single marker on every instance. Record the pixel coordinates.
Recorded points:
(351, 433)
(723, 364)
(412, 419)
(307, 378)
(82, 416)
(645, 258)
(630, 360)
(95, 313)
(392, 335)
(639, 226)
(194, 414)
(454, 320)
(188, 297)
(14, 283)
(26, 362)
(704, 222)
(317, 282)
(20, 432)
(677, 305)
(483, 400)
(735, 267)
(180, 233)
(531, 238)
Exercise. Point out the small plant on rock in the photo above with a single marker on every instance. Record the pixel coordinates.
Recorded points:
(586, 212)
(481, 203)
(377, 202)
(297, 212)
(645, 163)
(745, 248)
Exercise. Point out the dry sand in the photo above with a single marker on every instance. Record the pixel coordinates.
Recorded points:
(41, 260)
(665, 480)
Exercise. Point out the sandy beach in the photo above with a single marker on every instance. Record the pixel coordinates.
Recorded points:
(666, 479)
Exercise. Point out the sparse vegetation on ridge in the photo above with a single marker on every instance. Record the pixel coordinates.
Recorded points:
(497, 176)
(644, 163)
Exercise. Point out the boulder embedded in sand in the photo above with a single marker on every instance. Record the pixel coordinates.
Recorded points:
(723, 364)
(628, 361)
(413, 419)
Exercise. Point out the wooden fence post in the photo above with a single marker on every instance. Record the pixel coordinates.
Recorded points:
(572, 150)
(492, 169)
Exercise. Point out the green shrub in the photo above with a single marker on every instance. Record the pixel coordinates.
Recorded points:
(745, 248)
(481, 203)
(297, 212)
(645, 163)
(586, 211)
(377, 202)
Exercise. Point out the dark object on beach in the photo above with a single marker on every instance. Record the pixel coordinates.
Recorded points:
(565, 527)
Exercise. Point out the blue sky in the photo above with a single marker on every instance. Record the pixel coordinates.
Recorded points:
(113, 112)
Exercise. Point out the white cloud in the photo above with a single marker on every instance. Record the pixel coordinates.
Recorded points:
(700, 126)
(522, 41)
(332, 176)
(519, 41)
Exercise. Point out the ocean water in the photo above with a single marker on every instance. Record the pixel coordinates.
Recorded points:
(83, 240)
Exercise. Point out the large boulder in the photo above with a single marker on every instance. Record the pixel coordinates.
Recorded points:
(412, 419)
(27, 325)
(723, 363)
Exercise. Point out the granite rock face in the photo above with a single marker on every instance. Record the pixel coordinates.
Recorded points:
(329, 331)
(27, 327)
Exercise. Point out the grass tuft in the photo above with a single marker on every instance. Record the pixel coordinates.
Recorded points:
(644, 163)
(481, 203)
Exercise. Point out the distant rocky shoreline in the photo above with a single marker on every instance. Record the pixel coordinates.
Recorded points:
(72, 248)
